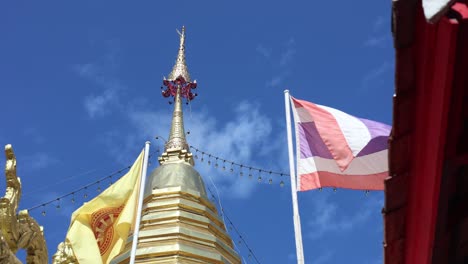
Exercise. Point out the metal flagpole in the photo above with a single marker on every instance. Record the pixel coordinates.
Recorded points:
(297, 219)
(140, 203)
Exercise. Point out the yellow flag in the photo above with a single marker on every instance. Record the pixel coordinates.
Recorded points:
(99, 229)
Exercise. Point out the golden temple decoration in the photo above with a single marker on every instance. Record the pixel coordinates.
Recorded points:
(180, 67)
(64, 254)
(18, 231)
(179, 224)
(179, 86)
(176, 148)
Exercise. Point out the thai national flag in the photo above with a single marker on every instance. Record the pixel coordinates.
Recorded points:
(335, 149)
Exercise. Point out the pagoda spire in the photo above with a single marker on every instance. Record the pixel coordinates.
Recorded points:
(180, 68)
(179, 224)
(179, 86)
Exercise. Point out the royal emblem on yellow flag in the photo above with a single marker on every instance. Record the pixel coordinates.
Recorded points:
(102, 224)
(99, 228)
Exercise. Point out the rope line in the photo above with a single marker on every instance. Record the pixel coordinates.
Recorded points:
(85, 187)
(57, 199)
(120, 171)
(210, 156)
(237, 164)
(250, 169)
(222, 209)
(225, 215)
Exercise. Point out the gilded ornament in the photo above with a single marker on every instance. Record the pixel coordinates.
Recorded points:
(64, 254)
(18, 231)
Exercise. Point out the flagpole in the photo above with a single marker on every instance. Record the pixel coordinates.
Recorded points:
(296, 217)
(140, 203)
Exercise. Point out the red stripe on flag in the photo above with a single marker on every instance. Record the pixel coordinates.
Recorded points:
(320, 179)
(330, 132)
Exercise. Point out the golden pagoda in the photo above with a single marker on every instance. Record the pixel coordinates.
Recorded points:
(178, 223)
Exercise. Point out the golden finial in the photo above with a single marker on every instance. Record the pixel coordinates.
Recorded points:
(179, 86)
(177, 135)
(180, 67)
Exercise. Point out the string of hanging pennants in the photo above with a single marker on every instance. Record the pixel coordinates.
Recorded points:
(199, 155)
(213, 160)
(242, 169)
(85, 189)
(202, 156)
(117, 174)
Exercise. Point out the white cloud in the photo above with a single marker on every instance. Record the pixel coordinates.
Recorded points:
(102, 73)
(275, 81)
(378, 23)
(265, 52)
(375, 74)
(288, 55)
(246, 138)
(377, 41)
(281, 63)
(39, 161)
(278, 80)
(87, 70)
(327, 219)
(100, 105)
(379, 38)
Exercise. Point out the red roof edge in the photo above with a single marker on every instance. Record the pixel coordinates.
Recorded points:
(423, 80)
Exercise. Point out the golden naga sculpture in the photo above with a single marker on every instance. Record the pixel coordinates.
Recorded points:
(18, 231)
(64, 254)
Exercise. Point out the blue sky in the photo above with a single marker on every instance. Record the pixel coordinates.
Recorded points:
(80, 94)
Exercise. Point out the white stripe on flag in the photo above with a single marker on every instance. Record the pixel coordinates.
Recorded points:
(301, 115)
(354, 130)
(369, 164)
